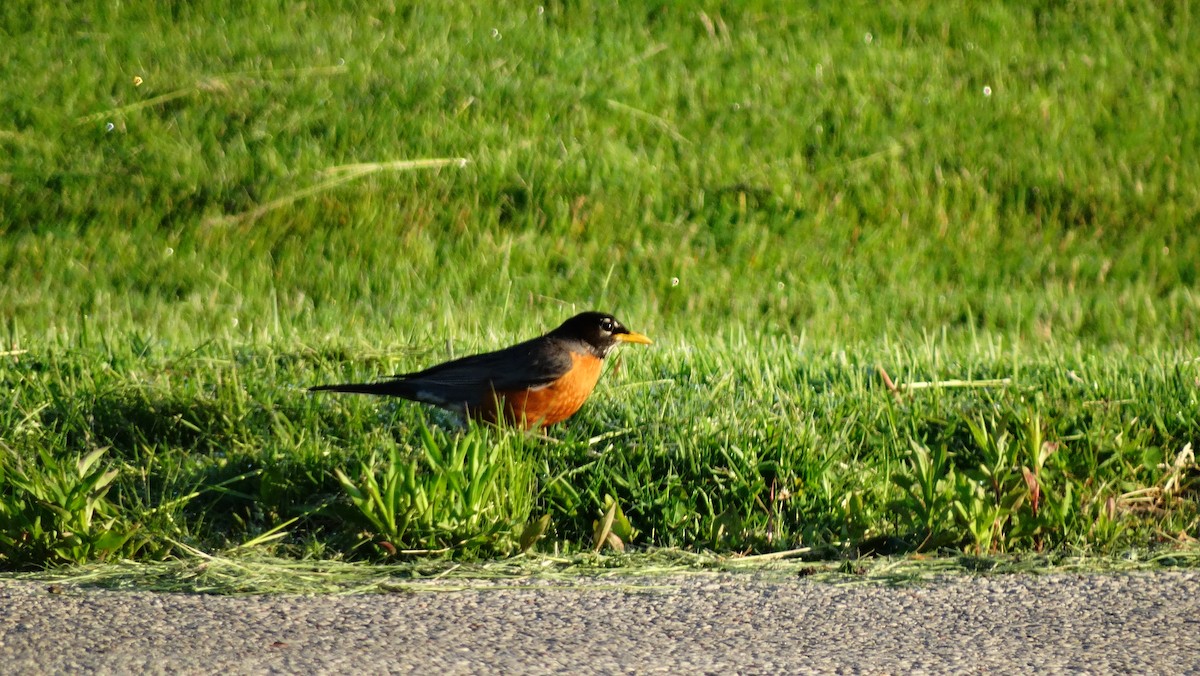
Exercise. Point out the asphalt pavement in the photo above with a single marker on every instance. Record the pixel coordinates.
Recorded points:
(696, 623)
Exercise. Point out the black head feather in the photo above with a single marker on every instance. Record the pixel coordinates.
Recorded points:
(598, 330)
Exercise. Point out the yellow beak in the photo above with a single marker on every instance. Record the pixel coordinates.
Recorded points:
(633, 337)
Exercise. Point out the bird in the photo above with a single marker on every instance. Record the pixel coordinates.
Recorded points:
(535, 383)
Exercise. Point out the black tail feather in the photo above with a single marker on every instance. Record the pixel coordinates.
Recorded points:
(395, 388)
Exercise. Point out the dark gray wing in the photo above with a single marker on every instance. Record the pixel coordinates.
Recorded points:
(470, 380)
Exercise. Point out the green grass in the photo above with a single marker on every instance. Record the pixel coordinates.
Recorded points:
(206, 209)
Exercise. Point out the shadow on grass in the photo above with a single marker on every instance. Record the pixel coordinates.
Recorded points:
(226, 465)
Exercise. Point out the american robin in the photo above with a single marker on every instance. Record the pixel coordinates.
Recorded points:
(535, 383)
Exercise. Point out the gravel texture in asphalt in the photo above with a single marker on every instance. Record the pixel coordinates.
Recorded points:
(699, 623)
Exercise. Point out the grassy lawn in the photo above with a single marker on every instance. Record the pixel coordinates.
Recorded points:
(922, 278)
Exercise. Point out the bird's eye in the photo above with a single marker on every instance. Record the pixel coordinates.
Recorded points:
(606, 324)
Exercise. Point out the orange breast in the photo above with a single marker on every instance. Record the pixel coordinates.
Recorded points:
(552, 403)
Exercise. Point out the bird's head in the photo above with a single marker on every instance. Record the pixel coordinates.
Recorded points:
(600, 331)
